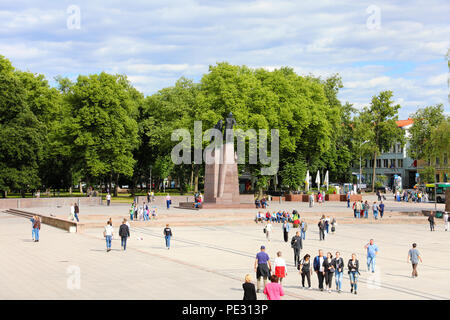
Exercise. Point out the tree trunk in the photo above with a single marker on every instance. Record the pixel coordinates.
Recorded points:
(374, 167)
(70, 190)
(191, 182)
(81, 188)
(116, 187)
(196, 179)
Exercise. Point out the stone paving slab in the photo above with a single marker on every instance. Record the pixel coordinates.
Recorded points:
(209, 262)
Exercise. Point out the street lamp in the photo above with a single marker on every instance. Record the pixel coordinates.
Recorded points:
(360, 170)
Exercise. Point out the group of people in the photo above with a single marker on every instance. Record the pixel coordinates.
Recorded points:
(361, 209)
(261, 203)
(143, 212)
(124, 234)
(326, 267)
(410, 196)
(324, 226)
(445, 217)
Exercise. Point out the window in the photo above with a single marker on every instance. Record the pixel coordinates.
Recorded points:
(445, 159)
(437, 161)
(392, 165)
(378, 163)
(400, 163)
(371, 163)
(385, 163)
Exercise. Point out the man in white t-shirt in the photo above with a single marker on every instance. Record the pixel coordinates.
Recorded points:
(108, 199)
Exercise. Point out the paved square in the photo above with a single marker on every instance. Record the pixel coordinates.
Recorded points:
(210, 262)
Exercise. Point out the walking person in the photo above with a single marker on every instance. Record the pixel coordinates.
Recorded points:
(76, 211)
(262, 267)
(338, 264)
(446, 221)
(108, 234)
(348, 199)
(33, 218)
(333, 225)
(249, 288)
(359, 209)
(268, 230)
(329, 271)
(280, 267)
(353, 273)
(36, 227)
(286, 229)
(381, 206)
(273, 290)
(167, 235)
(375, 210)
(297, 245)
(372, 251)
(124, 234)
(322, 227)
(431, 221)
(414, 257)
(311, 200)
(168, 201)
(108, 199)
(319, 268)
(366, 209)
(306, 270)
(304, 227)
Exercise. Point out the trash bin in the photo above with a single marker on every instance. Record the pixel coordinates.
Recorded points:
(439, 214)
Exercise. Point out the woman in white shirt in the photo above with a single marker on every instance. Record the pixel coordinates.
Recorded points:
(280, 267)
(108, 234)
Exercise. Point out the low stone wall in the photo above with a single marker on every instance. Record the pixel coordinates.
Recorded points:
(21, 203)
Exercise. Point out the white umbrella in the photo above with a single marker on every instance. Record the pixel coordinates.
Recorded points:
(318, 180)
(326, 182)
(307, 180)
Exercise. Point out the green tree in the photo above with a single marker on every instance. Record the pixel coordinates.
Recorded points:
(101, 129)
(380, 120)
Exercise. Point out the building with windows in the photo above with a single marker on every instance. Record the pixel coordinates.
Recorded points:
(394, 162)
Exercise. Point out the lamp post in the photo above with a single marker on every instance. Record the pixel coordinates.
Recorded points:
(360, 170)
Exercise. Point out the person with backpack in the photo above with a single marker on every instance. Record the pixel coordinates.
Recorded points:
(36, 223)
(167, 235)
(353, 273)
(306, 270)
(366, 209)
(297, 245)
(124, 234)
(338, 265)
(375, 210)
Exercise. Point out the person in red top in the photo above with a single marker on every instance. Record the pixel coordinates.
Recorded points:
(273, 290)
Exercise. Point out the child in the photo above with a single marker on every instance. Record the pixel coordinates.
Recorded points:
(249, 288)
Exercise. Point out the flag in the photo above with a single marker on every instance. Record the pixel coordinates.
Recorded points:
(318, 180)
(326, 181)
(307, 180)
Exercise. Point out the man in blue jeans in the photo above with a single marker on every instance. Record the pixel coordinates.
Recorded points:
(372, 251)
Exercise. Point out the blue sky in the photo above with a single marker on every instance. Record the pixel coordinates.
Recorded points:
(373, 45)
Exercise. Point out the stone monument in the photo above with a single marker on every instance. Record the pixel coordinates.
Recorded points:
(221, 176)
